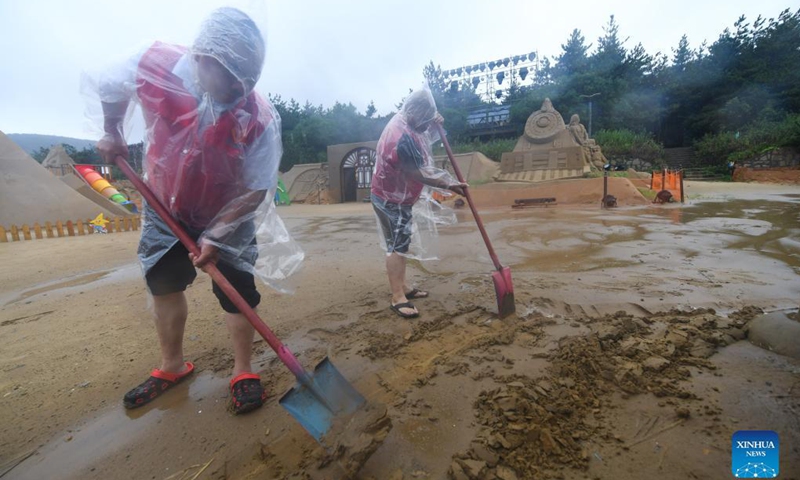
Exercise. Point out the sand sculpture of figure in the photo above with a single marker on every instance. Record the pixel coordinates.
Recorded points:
(578, 130)
(593, 153)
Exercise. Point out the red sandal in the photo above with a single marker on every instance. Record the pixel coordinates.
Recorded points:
(158, 383)
(247, 393)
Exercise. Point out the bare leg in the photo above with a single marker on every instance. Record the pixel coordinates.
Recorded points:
(171, 312)
(396, 269)
(242, 334)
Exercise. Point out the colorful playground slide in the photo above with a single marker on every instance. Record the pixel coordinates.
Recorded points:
(101, 185)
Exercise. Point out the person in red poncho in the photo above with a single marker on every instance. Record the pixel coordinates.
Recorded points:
(404, 167)
(212, 151)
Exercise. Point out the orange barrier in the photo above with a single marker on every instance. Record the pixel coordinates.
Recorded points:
(670, 180)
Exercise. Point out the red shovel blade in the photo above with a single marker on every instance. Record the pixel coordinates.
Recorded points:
(505, 292)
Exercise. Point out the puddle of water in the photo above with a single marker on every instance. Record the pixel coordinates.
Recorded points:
(764, 227)
(101, 437)
(66, 286)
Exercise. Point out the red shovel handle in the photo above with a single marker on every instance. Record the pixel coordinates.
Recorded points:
(460, 177)
(283, 353)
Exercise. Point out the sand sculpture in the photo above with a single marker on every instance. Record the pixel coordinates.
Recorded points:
(550, 150)
(30, 194)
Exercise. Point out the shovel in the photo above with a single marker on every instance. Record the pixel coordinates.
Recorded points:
(502, 276)
(320, 397)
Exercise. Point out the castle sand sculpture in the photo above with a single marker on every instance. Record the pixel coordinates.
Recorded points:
(550, 150)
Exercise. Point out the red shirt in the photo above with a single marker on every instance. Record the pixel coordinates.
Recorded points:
(399, 148)
(194, 171)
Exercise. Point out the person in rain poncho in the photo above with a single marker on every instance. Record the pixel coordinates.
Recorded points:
(404, 166)
(212, 152)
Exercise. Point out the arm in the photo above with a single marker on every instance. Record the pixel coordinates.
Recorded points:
(115, 87)
(113, 142)
(437, 182)
(234, 214)
(412, 163)
(260, 174)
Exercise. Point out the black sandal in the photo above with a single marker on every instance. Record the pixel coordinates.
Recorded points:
(158, 383)
(396, 309)
(247, 393)
(417, 293)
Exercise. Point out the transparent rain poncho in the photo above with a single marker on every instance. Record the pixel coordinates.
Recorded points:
(212, 145)
(405, 180)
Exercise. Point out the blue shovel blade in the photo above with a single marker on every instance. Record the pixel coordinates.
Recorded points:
(316, 405)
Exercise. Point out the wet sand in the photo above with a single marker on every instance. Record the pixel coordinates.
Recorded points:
(626, 358)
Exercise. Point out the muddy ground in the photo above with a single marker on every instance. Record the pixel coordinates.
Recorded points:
(627, 358)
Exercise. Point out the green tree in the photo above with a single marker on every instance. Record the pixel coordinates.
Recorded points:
(682, 56)
(610, 53)
(573, 59)
(371, 110)
(41, 154)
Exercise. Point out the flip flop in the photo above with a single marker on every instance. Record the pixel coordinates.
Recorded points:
(158, 383)
(396, 309)
(247, 393)
(416, 293)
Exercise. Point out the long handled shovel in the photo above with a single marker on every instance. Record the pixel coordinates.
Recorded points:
(319, 397)
(502, 276)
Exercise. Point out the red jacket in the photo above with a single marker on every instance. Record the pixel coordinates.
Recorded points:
(195, 173)
(389, 181)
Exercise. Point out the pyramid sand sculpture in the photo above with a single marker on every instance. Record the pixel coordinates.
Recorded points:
(550, 150)
(62, 165)
(57, 157)
(30, 194)
(475, 166)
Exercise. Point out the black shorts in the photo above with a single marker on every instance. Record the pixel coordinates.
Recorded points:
(395, 222)
(174, 272)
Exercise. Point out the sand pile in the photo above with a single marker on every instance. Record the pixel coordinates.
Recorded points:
(784, 175)
(531, 427)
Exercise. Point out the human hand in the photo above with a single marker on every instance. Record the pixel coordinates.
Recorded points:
(209, 254)
(439, 119)
(111, 145)
(459, 188)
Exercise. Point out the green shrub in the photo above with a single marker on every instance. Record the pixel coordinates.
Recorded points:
(647, 193)
(715, 148)
(756, 139)
(597, 174)
(626, 145)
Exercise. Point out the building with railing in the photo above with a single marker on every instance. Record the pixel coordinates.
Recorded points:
(489, 121)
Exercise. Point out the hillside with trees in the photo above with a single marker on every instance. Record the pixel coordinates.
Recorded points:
(732, 98)
(34, 142)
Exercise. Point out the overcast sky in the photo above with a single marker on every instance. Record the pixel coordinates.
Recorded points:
(317, 50)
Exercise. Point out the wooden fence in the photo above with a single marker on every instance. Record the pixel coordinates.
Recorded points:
(65, 229)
